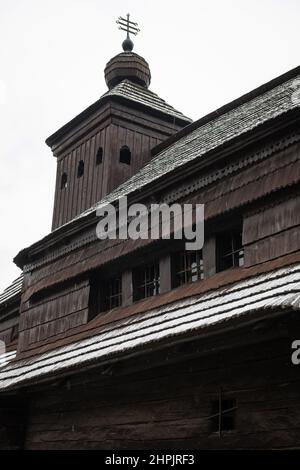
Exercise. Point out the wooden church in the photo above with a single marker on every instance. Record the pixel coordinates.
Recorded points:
(142, 344)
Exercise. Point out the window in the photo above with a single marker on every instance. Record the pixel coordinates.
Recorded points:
(99, 156)
(146, 281)
(223, 415)
(230, 251)
(105, 294)
(125, 155)
(64, 181)
(80, 169)
(113, 293)
(187, 266)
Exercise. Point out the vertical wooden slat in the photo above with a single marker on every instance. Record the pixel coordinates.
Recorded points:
(165, 274)
(75, 182)
(85, 177)
(127, 288)
(137, 152)
(209, 257)
(96, 189)
(91, 167)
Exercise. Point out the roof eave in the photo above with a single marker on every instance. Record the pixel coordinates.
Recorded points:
(57, 136)
(226, 108)
(73, 226)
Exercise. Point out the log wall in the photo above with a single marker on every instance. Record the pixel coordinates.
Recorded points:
(56, 313)
(272, 232)
(168, 407)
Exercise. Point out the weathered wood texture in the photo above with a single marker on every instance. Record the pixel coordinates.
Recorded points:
(272, 232)
(54, 314)
(267, 235)
(9, 320)
(169, 406)
(98, 179)
(219, 198)
(137, 131)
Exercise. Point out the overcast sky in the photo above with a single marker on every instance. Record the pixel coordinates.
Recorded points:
(202, 54)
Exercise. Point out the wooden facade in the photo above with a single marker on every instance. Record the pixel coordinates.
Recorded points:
(113, 127)
(170, 406)
(151, 373)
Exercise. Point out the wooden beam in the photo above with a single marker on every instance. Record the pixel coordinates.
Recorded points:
(127, 298)
(209, 257)
(165, 273)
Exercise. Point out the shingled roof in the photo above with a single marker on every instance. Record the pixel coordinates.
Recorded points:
(131, 93)
(139, 94)
(263, 294)
(272, 100)
(265, 104)
(11, 292)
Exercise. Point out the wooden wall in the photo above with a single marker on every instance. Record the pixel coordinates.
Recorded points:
(139, 131)
(272, 232)
(9, 320)
(55, 313)
(223, 197)
(269, 232)
(169, 406)
(80, 193)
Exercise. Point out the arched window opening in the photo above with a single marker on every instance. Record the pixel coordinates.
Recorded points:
(99, 156)
(80, 169)
(64, 181)
(125, 155)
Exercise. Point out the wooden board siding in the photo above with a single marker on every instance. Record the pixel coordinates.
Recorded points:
(55, 314)
(272, 232)
(118, 126)
(82, 192)
(273, 247)
(253, 182)
(9, 323)
(169, 406)
(97, 180)
(240, 189)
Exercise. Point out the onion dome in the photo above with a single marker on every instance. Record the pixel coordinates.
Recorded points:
(127, 65)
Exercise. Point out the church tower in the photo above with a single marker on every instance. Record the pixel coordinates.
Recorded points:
(112, 139)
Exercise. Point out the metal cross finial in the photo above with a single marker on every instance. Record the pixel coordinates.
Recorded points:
(131, 28)
(127, 25)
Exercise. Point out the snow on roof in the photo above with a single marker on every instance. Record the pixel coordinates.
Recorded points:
(273, 291)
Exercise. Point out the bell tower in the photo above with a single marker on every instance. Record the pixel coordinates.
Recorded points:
(112, 139)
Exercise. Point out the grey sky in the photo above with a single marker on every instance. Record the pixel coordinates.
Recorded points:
(202, 54)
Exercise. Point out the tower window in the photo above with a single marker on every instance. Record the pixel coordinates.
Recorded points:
(64, 181)
(223, 415)
(187, 266)
(99, 156)
(146, 281)
(125, 155)
(80, 169)
(230, 251)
